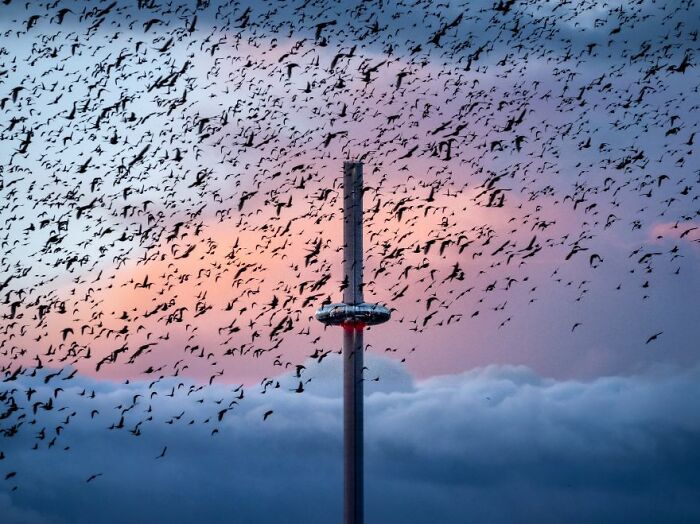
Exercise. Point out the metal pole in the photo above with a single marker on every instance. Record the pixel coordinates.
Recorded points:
(353, 347)
(353, 314)
(352, 231)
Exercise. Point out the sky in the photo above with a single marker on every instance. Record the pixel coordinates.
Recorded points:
(172, 218)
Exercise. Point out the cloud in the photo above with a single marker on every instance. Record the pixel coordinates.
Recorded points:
(688, 231)
(496, 444)
(15, 515)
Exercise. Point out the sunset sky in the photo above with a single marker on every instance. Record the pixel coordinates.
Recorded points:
(171, 185)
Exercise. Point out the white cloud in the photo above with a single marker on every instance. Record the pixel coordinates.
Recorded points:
(490, 444)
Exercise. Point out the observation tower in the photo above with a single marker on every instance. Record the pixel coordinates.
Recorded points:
(353, 314)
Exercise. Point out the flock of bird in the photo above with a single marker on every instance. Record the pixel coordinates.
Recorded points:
(171, 198)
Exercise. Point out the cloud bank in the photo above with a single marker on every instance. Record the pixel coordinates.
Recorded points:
(496, 444)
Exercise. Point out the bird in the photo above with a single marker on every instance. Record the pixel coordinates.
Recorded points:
(654, 337)
(173, 183)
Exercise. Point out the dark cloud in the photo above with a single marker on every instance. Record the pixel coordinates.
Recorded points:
(15, 515)
(497, 444)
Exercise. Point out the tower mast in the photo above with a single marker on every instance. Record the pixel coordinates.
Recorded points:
(353, 315)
